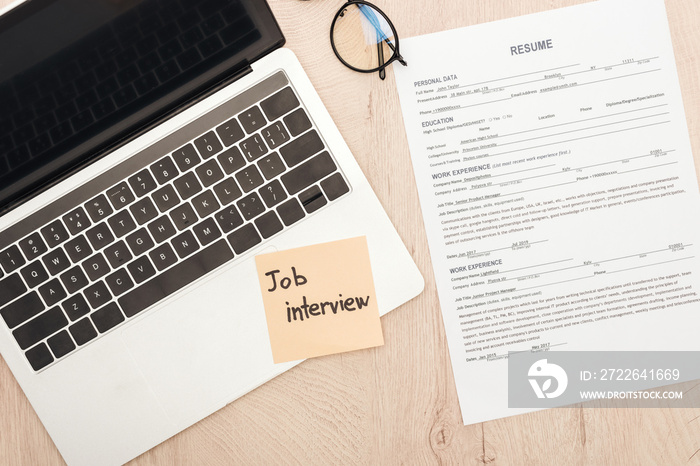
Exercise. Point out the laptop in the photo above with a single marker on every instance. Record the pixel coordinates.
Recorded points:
(149, 149)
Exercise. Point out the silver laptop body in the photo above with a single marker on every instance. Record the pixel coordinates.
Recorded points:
(149, 373)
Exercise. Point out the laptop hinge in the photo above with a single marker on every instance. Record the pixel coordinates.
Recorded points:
(243, 69)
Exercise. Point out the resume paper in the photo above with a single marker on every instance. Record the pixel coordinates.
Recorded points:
(558, 189)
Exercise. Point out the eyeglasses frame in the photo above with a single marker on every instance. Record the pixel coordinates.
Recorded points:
(396, 56)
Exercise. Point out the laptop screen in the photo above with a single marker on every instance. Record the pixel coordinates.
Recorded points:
(79, 76)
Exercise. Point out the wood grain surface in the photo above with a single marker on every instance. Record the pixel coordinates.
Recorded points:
(397, 404)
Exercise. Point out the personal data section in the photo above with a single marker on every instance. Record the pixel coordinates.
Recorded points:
(557, 185)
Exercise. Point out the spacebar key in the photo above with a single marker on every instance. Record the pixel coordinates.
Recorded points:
(175, 278)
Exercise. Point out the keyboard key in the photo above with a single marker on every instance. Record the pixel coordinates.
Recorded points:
(297, 122)
(312, 199)
(227, 191)
(250, 206)
(228, 219)
(76, 221)
(52, 292)
(207, 231)
(208, 145)
(186, 157)
(249, 178)
(54, 233)
(39, 357)
(141, 269)
(97, 294)
(40, 327)
(163, 256)
(231, 160)
(122, 223)
(22, 310)
(301, 148)
(118, 254)
(107, 318)
(33, 246)
(244, 238)
(75, 307)
(82, 331)
(142, 183)
(143, 210)
(185, 244)
(74, 279)
(187, 185)
(78, 249)
(161, 229)
(291, 212)
(98, 208)
(273, 193)
(99, 236)
(139, 242)
(56, 261)
(120, 195)
(230, 132)
(34, 274)
(275, 135)
(252, 119)
(164, 170)
(209, 173)
(170, 281)
(61, 344)
(166, 198)
(205, 204)
(253, 147)
(280, 103)
(96, 267)
(11, 259)
(11, 287)
(334, 186)
(308, 173)
(183, 216)
(119, 282)
(271, 165)
(268, 224)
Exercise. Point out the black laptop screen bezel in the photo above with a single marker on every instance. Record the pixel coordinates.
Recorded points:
(97, 145)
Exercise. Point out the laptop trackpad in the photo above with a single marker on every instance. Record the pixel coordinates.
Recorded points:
(206, 347)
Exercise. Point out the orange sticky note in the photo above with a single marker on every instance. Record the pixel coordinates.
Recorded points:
(319, 299)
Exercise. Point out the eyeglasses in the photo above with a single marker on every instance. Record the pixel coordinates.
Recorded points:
(362, 36)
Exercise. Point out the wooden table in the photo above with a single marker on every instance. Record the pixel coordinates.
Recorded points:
(397, 404)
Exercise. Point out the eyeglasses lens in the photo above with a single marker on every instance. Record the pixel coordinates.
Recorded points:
(362, 37)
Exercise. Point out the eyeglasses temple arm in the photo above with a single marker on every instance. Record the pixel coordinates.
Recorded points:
(380, 54)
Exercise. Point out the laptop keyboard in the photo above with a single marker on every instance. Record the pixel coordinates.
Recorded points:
(194, 201)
